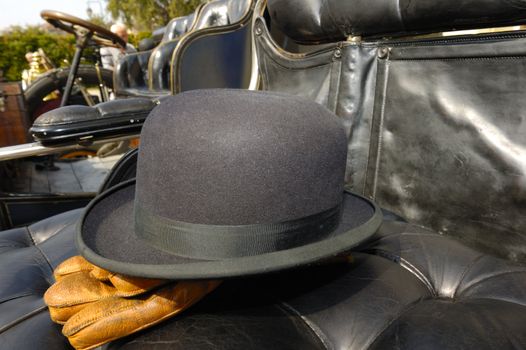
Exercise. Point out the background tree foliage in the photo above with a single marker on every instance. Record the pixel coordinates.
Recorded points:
(17, 41)
(148, 15)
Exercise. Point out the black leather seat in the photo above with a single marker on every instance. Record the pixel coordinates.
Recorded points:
(134, 72)
(151, 73)
(407, 288)
(75, 123)
(28, 256)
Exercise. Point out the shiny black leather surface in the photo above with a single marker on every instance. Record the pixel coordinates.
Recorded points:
(333, 20)
(136, 72)
(222, 12)
(455, 113)
(178, 26)
(341, 77)
(313, 76)
(407, 287)
(125, 169)
(112, 118)
(106, 110)
(217, 58)
(222, 60)
(218, 53)
(131, 72)
(435, 127)
(159, 64)
(28, 256)
(214, 14)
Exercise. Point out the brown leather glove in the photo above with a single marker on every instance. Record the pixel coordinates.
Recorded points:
(97, 306)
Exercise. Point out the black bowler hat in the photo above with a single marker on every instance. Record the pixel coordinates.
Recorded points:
(230, 183)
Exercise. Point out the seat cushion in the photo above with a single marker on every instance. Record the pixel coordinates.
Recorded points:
(112, 118)
(28, 256)
(409, 288)
(406, 288)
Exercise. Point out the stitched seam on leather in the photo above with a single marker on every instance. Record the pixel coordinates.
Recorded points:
(474, 284)
(60, 228)
(520, 304)
(464, 273)
(28, 231)
(395, 318)
(49, 280)
(109, 116)
(460, 59)
(23, 318)
(287, 308)
(13, 246)
(17, 296)
(407, 266)
(129, 114)
(304, 67)
(380, 128)
(265, 70)
(335, 69)
(115, 311)
(314, 56)
(117, 294)
(457, 41)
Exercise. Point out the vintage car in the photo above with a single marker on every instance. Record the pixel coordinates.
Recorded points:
(431, 98)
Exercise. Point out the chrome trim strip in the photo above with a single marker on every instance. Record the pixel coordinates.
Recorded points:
(37, 149)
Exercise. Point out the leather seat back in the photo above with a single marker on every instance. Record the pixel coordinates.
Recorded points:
(213, 18)
(436, 124)
(218, 53)
(333, 20)
(178, 26)
(159, 62)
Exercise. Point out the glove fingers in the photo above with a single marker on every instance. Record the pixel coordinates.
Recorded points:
(130, 286)
(61, 315)
(114, 318)
(72, 265)
(76, 289)
(101, 274)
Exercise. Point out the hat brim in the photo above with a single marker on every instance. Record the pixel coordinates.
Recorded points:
(106, 237)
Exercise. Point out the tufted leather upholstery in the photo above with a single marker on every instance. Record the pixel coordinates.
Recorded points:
(408, 288)
(178, 26)
(148, 73)
(332, 20)
(134, 72)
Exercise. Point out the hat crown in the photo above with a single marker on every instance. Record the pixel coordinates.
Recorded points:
(231, 157)
(229, 183)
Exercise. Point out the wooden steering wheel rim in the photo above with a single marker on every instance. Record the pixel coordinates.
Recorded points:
(68, 23)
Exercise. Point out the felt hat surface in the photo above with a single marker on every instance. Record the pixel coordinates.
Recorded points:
(230, 183)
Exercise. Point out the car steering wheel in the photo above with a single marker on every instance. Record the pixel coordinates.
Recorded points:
(78, 26)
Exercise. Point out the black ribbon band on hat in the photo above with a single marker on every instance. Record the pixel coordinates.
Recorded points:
(209, 242)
